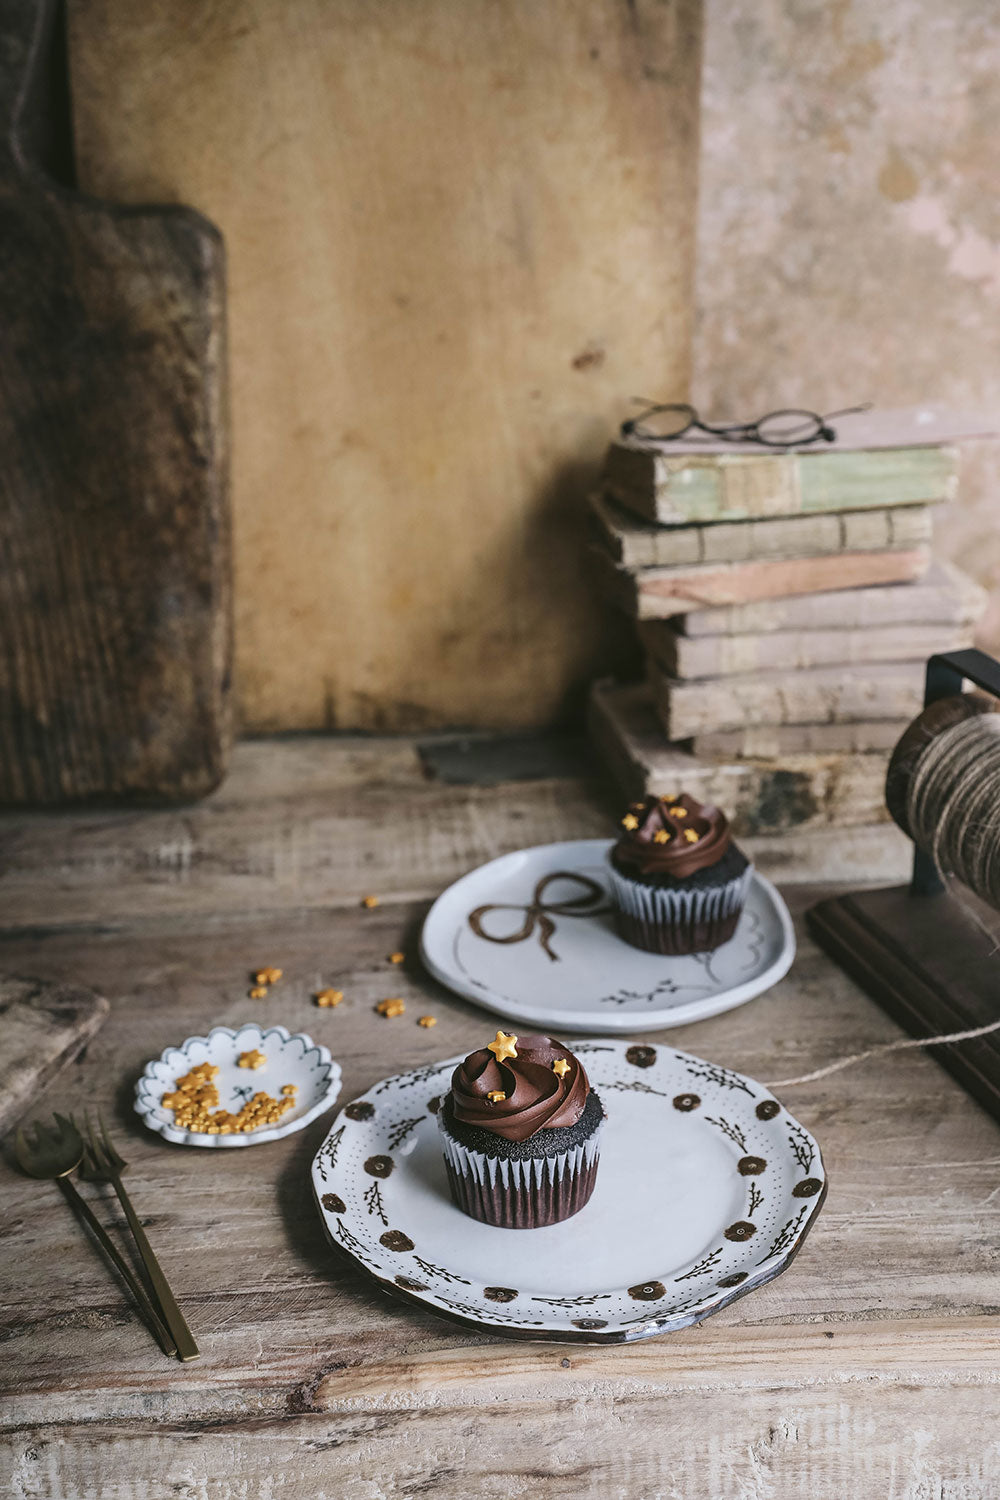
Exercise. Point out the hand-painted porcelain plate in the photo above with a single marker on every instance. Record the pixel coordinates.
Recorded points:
(705, 1191)
(531, 936)
(290, 1059)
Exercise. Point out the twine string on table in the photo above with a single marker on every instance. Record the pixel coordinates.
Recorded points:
(953, 812)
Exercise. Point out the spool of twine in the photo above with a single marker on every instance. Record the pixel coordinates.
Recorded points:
(943, 790)
(953, 803)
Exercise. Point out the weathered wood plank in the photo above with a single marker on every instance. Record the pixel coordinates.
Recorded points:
(867, 1366)
(293, 826)
(637, 544)
(42, 1028)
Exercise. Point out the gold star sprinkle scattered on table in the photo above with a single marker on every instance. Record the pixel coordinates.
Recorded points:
(329, 997)
(390, 1008)
(503, 1046)
(560, 1066)
(370, 902)
(396, 958)
(690, 835)
(267, 976)
(630, 821)
(427, 1020)
(252, 1059)
(258, 992)
(661, 836)
(495, 1096)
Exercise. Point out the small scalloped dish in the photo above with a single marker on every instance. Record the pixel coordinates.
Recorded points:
(290, 1059)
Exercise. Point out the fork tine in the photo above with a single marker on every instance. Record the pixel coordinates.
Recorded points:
(97, 1152)
(113, 1156)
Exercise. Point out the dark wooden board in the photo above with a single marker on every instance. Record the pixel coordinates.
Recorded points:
(114, 531)
(930, 964)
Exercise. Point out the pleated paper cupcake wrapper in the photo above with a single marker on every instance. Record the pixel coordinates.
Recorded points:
(678, 921)
(521, 1194)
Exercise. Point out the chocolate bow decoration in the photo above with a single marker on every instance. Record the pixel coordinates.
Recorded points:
(539, 912)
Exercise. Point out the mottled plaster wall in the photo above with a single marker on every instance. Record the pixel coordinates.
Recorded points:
(849, 221)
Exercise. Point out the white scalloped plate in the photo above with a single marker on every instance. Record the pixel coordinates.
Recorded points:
(595, 981)
(290, 1059)
(705, 1191)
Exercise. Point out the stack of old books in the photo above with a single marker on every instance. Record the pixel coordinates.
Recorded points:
(787, 602)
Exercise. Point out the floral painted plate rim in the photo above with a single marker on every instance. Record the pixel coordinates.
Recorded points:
(377, 1133)
(439, 942)
(220, 1046)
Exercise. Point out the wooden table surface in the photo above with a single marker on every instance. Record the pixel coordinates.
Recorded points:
(869, 1369)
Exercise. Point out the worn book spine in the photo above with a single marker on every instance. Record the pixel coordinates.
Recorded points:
(638, 544)
(944, 597)
(771, 741)
(689, 658)
(802, 792)
(678, 489)
(661, 593)
(821, 695)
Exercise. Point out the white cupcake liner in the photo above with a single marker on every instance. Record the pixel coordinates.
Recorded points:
(518, 1174)
(658, 905)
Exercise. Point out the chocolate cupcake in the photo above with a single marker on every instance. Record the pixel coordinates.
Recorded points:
(678, 881)
(521, 1131)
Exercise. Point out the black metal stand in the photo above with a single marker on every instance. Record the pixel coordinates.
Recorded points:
(919, 950)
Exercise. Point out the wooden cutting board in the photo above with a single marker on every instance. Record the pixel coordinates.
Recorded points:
(114, 530)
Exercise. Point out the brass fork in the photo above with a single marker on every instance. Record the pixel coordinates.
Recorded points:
(53, 1153)
(102, 1163)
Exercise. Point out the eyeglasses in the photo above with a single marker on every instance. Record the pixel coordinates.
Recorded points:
(787, 428)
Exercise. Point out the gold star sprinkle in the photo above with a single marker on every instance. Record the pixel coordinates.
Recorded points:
(495, 1096)
(252, 1059)
(661, 836)
(680, 812)
(258, 993)
(289, 1088)
(503, 1046)
(427, 1020)
(560, 1066)
(630, 821)
(396, 958)
(329, 997)
(690, 835)
(390, 1008)
(370, 902)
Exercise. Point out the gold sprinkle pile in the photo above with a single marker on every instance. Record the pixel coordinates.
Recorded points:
(329, 997)
(262, 980)
(195, 1098)
(390, 1008)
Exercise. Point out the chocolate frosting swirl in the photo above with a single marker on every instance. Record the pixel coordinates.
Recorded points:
(535, 1098)
(678, 854)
